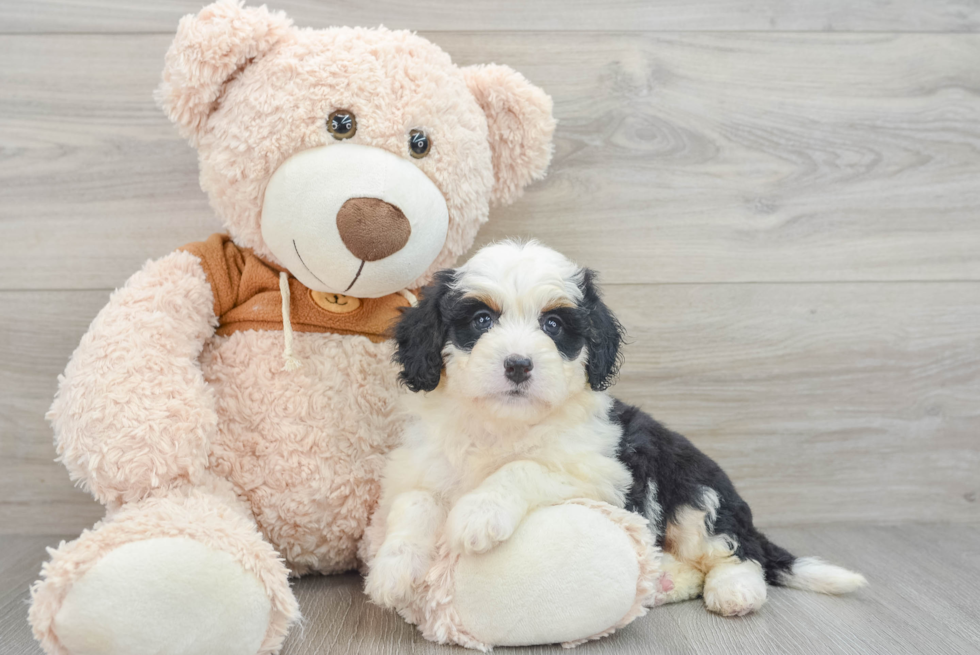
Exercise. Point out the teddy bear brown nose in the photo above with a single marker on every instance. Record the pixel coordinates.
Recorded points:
(372, 229)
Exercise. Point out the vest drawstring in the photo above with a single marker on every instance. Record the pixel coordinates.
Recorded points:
(290, 362)
(409, 296)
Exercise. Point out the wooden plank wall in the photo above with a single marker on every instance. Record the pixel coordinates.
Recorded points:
(783, 199)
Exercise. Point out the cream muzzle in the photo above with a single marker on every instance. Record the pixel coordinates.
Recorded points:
(355, 220)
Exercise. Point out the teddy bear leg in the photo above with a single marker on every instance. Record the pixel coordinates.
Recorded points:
(184, 574)
(569, 573)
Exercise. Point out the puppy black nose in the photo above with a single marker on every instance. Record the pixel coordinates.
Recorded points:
(517, 368)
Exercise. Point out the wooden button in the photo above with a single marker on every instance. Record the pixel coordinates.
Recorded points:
(335, 303)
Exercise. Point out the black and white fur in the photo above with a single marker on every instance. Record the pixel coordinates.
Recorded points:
(514, 351)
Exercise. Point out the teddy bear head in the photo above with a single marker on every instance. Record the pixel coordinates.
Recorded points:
(361, 160)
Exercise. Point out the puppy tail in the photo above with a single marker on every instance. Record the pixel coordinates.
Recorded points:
(814, 574)
(807, 573)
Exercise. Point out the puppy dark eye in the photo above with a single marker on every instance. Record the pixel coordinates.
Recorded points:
(483, 321)
(551, 325)
(342, 124)
(419, 143)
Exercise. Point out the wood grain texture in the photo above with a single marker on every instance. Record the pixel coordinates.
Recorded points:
(38, 333)
(680, 158)
(843, 402)
(823, 402)
(556, 15)
(922, 599)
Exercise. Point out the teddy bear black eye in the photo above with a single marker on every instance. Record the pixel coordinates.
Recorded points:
(419, 143)
(342, 124)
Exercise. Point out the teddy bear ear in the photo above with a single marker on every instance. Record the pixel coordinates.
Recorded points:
(521, 126)
(207, 51)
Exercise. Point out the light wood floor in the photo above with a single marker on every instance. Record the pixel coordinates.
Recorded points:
(923, 598)
(782, 197)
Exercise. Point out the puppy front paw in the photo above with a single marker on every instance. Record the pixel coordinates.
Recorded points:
(393, 575)
(479, 522)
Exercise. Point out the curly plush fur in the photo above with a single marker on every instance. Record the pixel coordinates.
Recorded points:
(491, 129)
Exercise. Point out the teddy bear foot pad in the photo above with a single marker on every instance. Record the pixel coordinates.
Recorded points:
(174, 593)
(186, 573)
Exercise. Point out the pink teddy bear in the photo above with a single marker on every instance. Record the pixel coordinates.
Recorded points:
(233, 404)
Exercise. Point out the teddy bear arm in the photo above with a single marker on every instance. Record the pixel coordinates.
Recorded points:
(133, 412)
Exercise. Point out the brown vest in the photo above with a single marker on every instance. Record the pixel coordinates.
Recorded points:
(246, 297)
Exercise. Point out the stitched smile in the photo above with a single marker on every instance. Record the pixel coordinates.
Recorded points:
(360, 268)
(307, 267)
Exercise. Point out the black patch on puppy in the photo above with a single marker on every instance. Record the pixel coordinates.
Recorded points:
(604, 335)
(573, 324)
(680, 472)
(421, 334)
(461, 315)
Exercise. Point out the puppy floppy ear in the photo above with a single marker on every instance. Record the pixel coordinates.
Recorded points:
(605, 335)
(421, 334)
(207, 51)
(521, 126)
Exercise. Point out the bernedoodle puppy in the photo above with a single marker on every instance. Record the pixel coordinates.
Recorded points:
(514, 351)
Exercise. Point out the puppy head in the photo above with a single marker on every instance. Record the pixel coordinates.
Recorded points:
(517, 330)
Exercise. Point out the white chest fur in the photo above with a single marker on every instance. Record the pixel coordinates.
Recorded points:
(451, 452)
